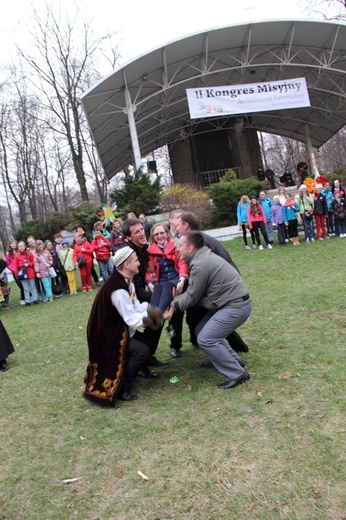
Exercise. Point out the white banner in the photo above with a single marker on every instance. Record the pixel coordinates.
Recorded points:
(244, 99)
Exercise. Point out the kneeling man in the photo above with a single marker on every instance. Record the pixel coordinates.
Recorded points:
(217, 286)
(117, 351)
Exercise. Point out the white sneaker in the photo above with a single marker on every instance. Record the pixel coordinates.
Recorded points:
(260, 247)
(307, 240)
(247, 247)
(254, 247)
(312, 240)
(22, 302)
(270, 246)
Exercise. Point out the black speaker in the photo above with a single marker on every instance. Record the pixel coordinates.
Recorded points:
(152, 166)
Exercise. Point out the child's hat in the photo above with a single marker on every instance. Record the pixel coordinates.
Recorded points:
(253, 197)
(65, 241)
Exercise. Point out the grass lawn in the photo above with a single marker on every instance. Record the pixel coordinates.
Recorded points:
(273, 448)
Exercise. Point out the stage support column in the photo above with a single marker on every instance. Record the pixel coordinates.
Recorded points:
(130, 110)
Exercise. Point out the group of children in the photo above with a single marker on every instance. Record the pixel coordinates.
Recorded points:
(322, 215)
(31, 263)
(43, 270)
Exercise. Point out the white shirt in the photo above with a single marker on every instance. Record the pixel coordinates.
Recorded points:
(131, 310)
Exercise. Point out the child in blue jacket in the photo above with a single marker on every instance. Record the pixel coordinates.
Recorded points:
(290, 209)
(242, 208)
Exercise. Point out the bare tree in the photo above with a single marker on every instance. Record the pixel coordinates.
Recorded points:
(281, 153)
(331, 156)
(97, 175)
(18, 154)
(328, 9)
(64, 67)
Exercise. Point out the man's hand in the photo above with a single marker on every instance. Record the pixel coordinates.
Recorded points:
(179, 288)
(168, 314)
(154, 320)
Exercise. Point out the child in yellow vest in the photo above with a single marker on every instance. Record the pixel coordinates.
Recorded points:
(66, 259)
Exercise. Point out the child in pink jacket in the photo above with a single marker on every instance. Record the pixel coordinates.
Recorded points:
(257, 221)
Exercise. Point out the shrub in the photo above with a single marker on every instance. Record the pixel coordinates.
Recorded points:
(226, 196)
(187, 198)
(229, 176)
(339, 174)
(43, 229)
(84, 215)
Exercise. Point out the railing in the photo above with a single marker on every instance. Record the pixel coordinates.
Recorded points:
(213, 176)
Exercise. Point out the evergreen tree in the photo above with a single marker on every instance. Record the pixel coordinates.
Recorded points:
(140, 194)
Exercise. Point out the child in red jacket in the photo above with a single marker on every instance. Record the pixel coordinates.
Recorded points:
(166, 270)
(102, 248)
(83, 249)
(25, 272)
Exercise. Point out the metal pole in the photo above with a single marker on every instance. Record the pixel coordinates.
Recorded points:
(129, 110)
(310, 152)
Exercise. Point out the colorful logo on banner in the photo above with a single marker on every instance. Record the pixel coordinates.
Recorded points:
(247, 98)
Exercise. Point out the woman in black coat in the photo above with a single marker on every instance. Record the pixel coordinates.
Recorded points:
(6, 347)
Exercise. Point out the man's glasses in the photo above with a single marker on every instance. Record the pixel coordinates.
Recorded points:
(159, 233)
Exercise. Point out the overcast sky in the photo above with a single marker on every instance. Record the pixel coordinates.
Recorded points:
(143, 25)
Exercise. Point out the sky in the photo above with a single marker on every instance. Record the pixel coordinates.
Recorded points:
(142, 26)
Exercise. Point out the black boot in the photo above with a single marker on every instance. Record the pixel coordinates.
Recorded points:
(236, 342)
(147, 373)
(125, 394)
(3, 366)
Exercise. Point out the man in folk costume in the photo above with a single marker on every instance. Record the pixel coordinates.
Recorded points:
(117, 351)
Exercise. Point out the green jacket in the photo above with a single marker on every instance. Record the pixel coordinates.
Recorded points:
(305, 203)
(66, 259)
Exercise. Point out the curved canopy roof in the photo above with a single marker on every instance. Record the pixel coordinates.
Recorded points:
(250, 53)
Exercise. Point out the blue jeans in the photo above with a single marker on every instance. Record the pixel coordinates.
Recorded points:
(106, 268)
(330, 222)
(163, 295)
(270, 233)
(308, 226)
(281, 233)
(30, 291)
(211, 334)
(341, 226)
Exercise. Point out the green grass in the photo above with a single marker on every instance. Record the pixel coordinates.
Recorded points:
(273, 448)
